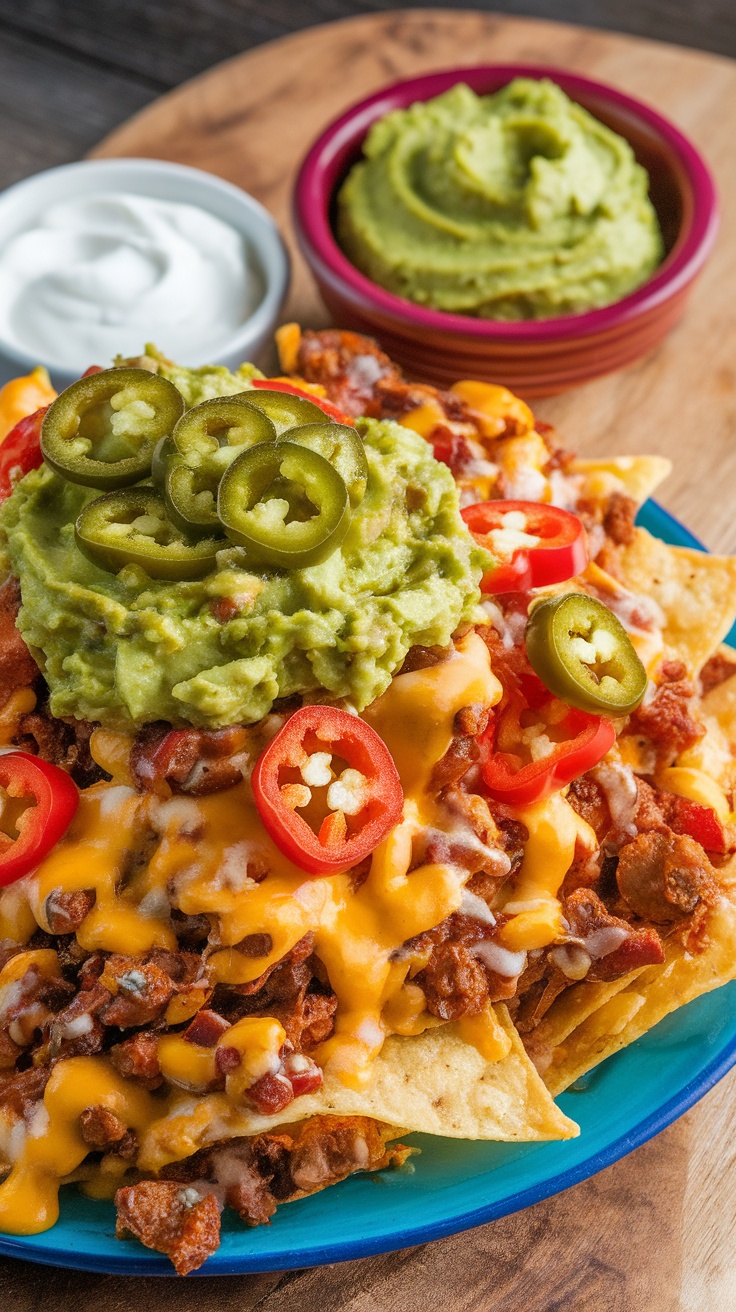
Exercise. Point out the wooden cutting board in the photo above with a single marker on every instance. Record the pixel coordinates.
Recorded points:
(657, 1231)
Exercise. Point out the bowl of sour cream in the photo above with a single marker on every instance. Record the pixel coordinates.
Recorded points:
(100, 257)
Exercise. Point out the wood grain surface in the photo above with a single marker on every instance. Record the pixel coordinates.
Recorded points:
(71, 70)
(657, 1231)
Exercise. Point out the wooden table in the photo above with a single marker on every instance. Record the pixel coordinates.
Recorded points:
(656, 1231)
(71, 70)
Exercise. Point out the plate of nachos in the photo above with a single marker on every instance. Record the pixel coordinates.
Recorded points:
(367, 785)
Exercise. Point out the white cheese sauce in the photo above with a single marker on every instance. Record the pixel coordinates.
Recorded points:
(102, 274)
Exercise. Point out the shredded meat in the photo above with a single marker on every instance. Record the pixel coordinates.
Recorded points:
(618, 520)
(30, 1005)
(17, 667)
(9, 1052)
(140, 991)
(454, 982)
(136, 1059)
(104, 1131)
(19, 1092)
(361, 379)
(66, 911)
(663, 876)
(472, 720)
(596, 946)
(670, 720)
(457, 760)
(348, 366)
(193, 761)
(668, 812)
(586, 915)
(254, 1175)
(514, 836)
(251, 1194)
(141, 988)
(541, 983)
(458, 979)
(720, 667)
(316, 1021)
(295, 991)
(329, 1148)
(173, 1220)
(77, 1030)
(63, 742)
(589, 800)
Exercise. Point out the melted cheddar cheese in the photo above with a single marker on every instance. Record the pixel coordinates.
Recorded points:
(141, 854)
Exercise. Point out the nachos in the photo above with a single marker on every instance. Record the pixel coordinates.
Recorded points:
(370, 771)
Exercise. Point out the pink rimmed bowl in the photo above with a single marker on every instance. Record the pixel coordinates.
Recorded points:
(541, 357)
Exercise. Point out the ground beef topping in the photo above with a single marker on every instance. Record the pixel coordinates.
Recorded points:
(721, 666)
(180, 1222)
(669, 721)
(663, 876)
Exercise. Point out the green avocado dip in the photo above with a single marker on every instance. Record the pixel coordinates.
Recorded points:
(517, 205)
(125, 649)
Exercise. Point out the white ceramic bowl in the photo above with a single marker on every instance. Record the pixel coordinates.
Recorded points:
(25, 202)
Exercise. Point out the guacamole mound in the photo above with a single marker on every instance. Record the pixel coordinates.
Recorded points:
(125, 649)
(517, 205)
(195, 385)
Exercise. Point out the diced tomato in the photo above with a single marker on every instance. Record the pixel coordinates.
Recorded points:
(701, 823)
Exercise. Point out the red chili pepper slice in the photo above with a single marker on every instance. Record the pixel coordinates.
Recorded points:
(54, 799)
(346, 834)
(277, 385)
(507, 779)
(21, 451)
(561, 553)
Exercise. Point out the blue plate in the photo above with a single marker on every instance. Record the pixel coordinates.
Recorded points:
(454, 1184)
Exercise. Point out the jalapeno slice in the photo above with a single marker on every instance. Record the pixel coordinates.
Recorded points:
(191, 503)
(163, 453)
(205, 441)
(285, 410)
(102, 431)
(285, 504)
(212, 433)
(191, 500)
(342, 448)
(131, 527)
(584, 655)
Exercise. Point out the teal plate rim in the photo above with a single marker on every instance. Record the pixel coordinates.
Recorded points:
(455, 1184)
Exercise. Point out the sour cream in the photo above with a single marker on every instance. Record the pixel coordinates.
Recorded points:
(100, 275)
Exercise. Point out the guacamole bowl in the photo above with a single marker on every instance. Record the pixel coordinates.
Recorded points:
(536, 357)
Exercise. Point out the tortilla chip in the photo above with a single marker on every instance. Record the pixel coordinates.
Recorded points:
(570, 1010)
(435, 1083)
(720, 704)
(636, 476)
(695, 591)
(655, 992)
